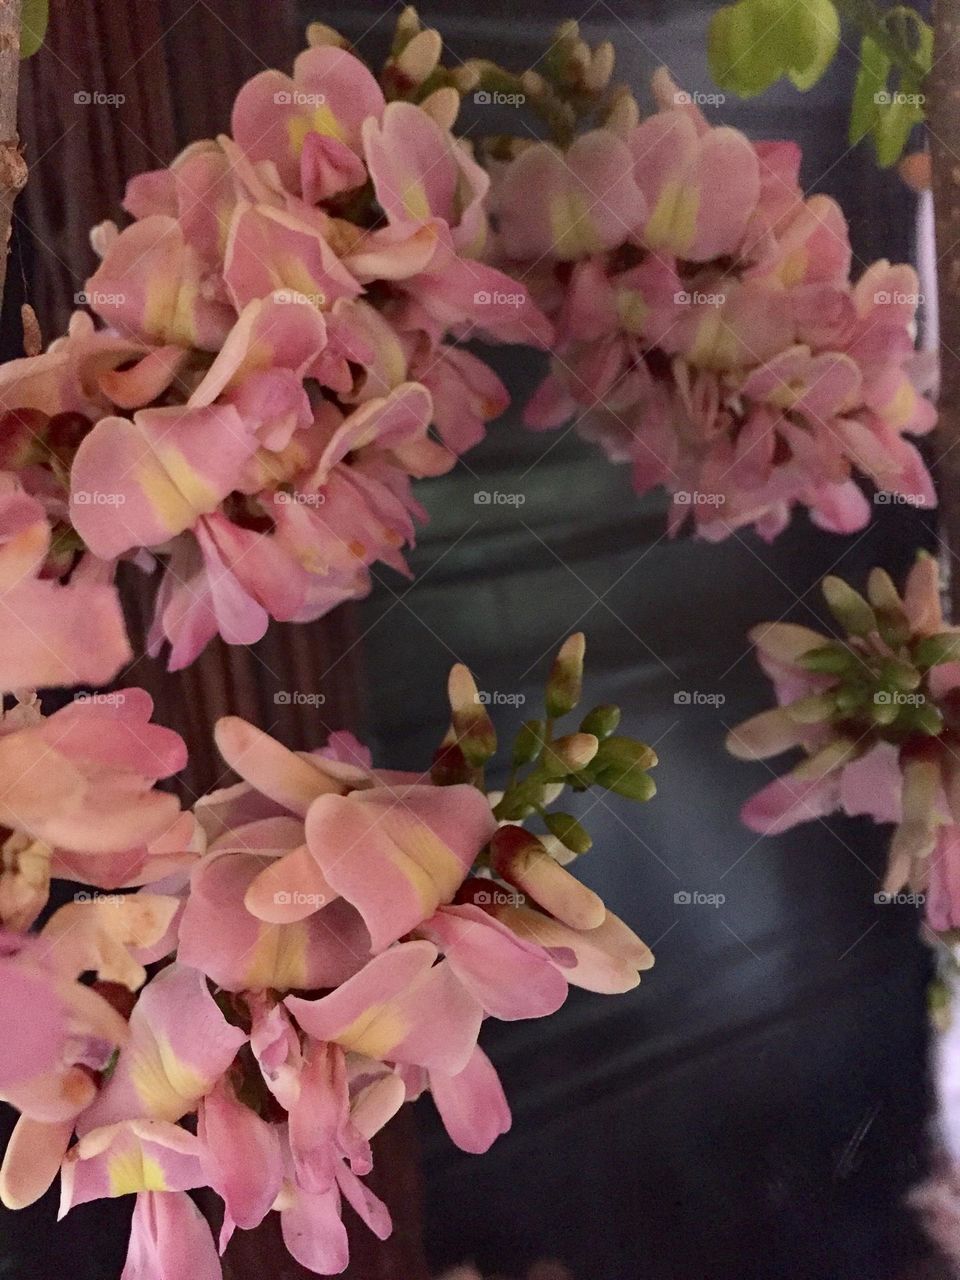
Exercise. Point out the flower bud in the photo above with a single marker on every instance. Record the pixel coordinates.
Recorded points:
(565, 682)
(420, 56)
(601, 721)
(408, 26)
(625, 753)
(848, 607)
(442, 106)
(931, 651)
(521, 860)
(319, 35)
(598, 73)
(529, 743)
(569, 832)
(472, 727)
(569, 754)
(834, 659)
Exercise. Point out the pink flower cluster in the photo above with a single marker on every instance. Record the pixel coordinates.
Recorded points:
(707, 329)
(877, 716)
(281, 322)
(332, 937)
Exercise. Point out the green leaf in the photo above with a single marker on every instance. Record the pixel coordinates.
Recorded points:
(754, 42)
(871, 81)
(894, 124)
(816, 25)
(739, 47)
(33, 26)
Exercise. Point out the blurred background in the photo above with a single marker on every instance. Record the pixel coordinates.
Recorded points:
(756, 1109)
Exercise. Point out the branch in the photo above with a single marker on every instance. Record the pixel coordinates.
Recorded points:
(13, 170)
(943, 102)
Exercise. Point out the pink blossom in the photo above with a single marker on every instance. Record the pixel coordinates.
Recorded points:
(708, 332)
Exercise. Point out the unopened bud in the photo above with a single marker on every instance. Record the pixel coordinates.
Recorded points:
(529, 743)
(408, 26)
(319, 36)
(598, 73)
(569, 832)
(833, 659)
(420, 56)
(931, 651)
(568, 755)
(619, 752)
(472, 727)
(624, 114)
(442, 106)
(601, 721)
(521, 860)
(565, 682)
(848, 607)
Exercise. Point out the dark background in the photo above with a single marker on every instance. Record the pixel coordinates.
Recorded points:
(756, 1109)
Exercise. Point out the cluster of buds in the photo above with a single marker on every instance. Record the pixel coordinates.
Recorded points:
(877, 713)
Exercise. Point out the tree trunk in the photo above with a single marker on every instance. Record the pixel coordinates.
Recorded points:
(943, 92)
(13, 171)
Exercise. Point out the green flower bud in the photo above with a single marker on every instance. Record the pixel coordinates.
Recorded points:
(601, 721)
(619, 752)
(568, 755)
(565, 682)
(569, 832)
(931, 651)
(529, 743)
(848, 607)
(834, 659)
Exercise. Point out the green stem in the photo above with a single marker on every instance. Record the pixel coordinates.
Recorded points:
(865, 16)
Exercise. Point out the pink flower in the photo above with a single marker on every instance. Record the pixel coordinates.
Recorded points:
(78, 786)
(281, 314)
(874, 716)
(708, 332)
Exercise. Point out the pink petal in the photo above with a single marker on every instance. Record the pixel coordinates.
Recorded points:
(398, 854)
(398, 1008)
(510, 978)
(472, 1105)
(137, 484)
(170, 1239)
(180, 1044)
